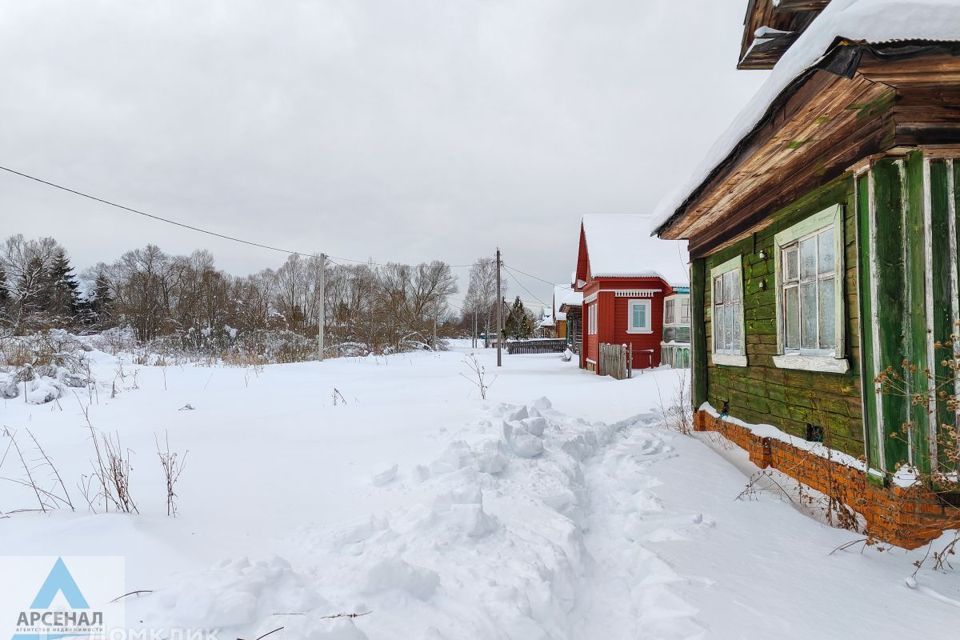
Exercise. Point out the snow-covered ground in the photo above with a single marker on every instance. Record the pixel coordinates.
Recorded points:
(559, 507)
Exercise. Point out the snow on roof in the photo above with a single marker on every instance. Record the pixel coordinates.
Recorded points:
(868, 21)
(620, 246)
(564, 294)
(546, 317)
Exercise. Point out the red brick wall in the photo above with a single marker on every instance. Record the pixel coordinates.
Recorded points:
(906, 517)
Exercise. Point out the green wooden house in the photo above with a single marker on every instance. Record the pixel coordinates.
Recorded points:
(823, 233)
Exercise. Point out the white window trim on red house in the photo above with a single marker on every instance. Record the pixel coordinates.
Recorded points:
(592, 319)
(647, 326)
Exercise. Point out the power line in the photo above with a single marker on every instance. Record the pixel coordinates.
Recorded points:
(517, 280)
(530, 275)
(184, 225)
(150, 215)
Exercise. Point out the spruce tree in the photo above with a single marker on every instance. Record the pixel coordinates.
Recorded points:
(517, 325)
(61, 288)
(101, 302)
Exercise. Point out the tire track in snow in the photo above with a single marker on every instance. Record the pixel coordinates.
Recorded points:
(626, 593)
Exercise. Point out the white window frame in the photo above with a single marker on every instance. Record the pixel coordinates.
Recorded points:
(681, 304)
(824, 360)
(592, 319)
(648, 309)
(736, 357)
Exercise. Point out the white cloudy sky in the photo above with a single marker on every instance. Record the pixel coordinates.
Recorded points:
(376, 129)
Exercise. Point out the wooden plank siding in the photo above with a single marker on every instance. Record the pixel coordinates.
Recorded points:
(890, 302)
(941, 281)
(698, 331)
(786, 398)
(915, 323)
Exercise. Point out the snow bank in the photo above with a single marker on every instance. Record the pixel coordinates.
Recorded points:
(868, 21)
(496, 542)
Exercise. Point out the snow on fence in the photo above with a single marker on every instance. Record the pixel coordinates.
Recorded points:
(537, 345)
(616, 360)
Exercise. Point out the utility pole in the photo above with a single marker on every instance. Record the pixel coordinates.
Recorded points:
(323, 305)
(499, 315)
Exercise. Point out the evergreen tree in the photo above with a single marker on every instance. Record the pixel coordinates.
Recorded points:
(101, 302)
(518, 325)
(61, 288)
(30, 286)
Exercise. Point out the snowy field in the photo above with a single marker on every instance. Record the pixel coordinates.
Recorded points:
(559, 507)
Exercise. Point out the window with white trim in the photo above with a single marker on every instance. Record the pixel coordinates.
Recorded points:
(727, 313)
(638, 316)
(592, 319)
(809, 269)
(676, 309)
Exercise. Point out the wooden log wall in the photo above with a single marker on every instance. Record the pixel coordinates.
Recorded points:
(761, 392)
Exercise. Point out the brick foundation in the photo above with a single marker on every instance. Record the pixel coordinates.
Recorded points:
(907, 517)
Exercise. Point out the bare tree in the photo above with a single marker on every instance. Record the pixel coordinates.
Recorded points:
(481, 298)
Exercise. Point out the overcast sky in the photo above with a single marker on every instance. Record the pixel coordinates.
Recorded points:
(402, 131)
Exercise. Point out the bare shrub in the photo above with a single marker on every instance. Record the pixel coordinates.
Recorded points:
(111, 469)
(477, 376)
(47, 499)
(172, 465)
(116, 478)
(676, 413)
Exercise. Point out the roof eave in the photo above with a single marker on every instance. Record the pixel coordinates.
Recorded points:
(828, 62)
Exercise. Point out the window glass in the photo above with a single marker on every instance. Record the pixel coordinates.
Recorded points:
(718, 322)
(639, 315)
(828, 314)
(808, 258)
(791, 268)
(727, 312)
(808, 315)
(809, 271)
(808, 309)
(685, 310)
(668, 312)
(791, 304)
(826, 251)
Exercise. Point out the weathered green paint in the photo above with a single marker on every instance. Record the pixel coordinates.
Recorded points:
(915, 322)
(891, 303)
(867, 364)
(941, 323)
(698, 337)
(790, 399)
(899, 298)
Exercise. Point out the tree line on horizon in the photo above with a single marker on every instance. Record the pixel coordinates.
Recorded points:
(188, 300)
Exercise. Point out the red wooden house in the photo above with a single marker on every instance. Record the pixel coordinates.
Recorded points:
(623, 275)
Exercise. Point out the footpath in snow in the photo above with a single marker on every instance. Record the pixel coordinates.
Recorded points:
(557, 508)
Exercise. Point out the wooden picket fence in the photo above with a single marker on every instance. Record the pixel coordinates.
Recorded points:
(537, 345)
(616, 360)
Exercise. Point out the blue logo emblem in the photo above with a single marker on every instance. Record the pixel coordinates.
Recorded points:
(41, 622)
